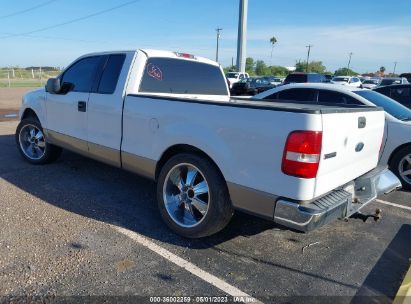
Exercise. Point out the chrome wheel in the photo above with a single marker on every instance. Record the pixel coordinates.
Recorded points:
(404, 168)
(186, 195)
(32, 142)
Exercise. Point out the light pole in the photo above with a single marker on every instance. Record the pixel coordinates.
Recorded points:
(242, 36)
(218, 40)
(395, 67)
(349, 60)
(308, 56)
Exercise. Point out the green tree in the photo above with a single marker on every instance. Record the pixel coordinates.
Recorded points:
(345, 72)
(249, 65)
(278, 71)
(273, 42)
(382, 70)
(261, 69)
(313, 67)
(230, 69)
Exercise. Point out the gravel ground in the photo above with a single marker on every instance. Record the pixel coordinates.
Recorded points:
(10, 101)
(10, 98)
(57, 239)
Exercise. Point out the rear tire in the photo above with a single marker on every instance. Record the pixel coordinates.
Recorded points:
(193, 197)
(32, 143)
(401, 165)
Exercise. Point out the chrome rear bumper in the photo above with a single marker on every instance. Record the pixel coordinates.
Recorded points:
(338, 204)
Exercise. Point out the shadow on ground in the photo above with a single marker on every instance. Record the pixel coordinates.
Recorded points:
(110, 195)
(388, 272)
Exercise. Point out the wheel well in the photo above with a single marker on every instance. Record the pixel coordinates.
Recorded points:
(396, 151)
(29, 113)
(178, 149)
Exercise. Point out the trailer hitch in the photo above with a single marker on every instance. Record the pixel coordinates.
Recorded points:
(364, 217)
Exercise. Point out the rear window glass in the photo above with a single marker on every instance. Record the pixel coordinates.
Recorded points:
(296, 78)
(305, 95)
(177, 76)
(336, 98)
(232, 75)
(390, 82)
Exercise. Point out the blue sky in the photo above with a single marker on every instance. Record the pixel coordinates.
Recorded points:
(378, 32)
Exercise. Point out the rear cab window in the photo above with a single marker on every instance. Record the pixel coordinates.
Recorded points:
(179, 76)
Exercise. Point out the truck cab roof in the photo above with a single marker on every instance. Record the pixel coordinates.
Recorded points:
(158, 53)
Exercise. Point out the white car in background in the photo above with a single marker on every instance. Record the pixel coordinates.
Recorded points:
(234, 77)
(370, 83)
(396, 149)
(350, 81)
(275, 80)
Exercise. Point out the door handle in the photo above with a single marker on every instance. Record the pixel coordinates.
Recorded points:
(82, 106)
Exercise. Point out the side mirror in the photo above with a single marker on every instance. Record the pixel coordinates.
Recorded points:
(66, 87)
(53, 86)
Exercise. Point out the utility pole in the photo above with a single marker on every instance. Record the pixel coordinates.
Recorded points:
(242, 36)
(395, 67)
(349, 60)
(218, 40)
(308, 56)
(8, 78)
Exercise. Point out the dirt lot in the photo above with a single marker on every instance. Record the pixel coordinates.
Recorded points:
(79, 228)
(10, 98)
(10, 101)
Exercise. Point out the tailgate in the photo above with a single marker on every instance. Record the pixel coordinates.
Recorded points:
(350, 147)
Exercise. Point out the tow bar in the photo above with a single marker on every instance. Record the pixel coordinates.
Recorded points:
(364, 217)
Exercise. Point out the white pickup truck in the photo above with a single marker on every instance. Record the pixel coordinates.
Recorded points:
(168, 116)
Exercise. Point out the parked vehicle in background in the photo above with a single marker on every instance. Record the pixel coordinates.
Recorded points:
(299, 77)
(327, 78)
(351, 81)
(407, 76)
(393, 80)
(234, 77)
(396, 149)
(400, 93)
(168, 116)
(370, 83)
(275, 80)
(251, 86)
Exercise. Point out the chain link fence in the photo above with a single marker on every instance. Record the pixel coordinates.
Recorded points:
(26, 77)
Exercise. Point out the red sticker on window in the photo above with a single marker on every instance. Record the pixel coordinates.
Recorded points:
(154, 71)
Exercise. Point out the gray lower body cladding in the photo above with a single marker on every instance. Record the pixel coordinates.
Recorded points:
(306, 216)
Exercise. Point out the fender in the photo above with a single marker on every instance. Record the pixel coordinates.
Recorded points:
(178, 134)
(36, 101)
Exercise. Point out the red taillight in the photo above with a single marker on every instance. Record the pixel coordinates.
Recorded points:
(302, 154)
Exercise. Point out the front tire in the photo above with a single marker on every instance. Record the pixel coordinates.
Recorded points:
(401, 166)
(193, 197)
(32, 144)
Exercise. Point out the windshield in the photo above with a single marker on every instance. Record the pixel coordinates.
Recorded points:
(231, 75)
(346, 79)
(390, 105)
